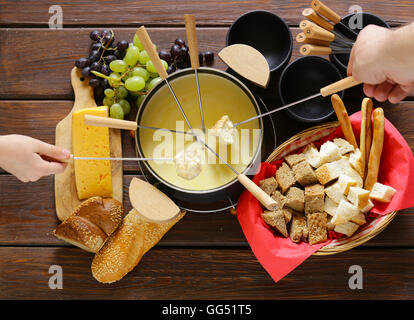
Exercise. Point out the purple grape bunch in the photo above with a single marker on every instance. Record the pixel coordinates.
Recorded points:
(178, 56)
(102, 52)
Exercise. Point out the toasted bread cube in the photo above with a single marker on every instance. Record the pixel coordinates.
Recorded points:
(284, 177)
(293, 159)
(359, 219)
(279, 198)
(268, 185)
(368, 207)
(288, 212)
(382, 193)
(358, 197)
(298, 228)
(356, 161)
(312, 156)
(347, 228)
(329, 225)
(295, 199)
(317, 224)
(334, 193)
(276, 219)
(344, 213)
(345, 182)
(344, 146)
(329, 152)
(314, 198)
(356, 176)
(331, 207)
(304, 174)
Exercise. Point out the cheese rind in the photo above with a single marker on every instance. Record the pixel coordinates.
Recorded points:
(93, 177)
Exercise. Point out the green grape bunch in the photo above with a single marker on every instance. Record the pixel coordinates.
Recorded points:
(133, 76)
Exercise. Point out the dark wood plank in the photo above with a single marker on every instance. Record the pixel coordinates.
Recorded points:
(205, 274)
(101, 13)
(27, 217)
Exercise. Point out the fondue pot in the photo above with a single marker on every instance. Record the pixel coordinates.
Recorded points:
(152, 112)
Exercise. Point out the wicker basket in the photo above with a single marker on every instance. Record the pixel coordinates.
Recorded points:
(364, 234)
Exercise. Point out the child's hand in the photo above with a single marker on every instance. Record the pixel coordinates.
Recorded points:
(20, 156)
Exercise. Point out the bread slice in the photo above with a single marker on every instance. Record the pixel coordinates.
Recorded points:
(312, 156)
(288, 212)
(298, 228)
(357, 162)
(293, 159)
(106, 213)
(276, 219)
(122, 252)
(268, 185)
(358, 197)
(335, 193)
(81, 233)
(382, 193)
(345, 182)
(344, 213)
(284, 177)
(331, 207)
(344, 146)
(329, 152)
(347, 228)
(317, 225)
(295, 199)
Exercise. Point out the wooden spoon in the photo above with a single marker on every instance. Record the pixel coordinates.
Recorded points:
(248, 62)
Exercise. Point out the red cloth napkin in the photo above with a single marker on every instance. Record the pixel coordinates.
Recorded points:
(278, 255)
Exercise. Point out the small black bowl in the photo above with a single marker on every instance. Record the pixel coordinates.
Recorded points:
(341, 60)
(267, 33)
(305, 77)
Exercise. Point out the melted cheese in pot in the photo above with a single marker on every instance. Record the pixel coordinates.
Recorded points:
(220, 97)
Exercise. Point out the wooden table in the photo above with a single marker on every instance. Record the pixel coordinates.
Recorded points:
(205, 256)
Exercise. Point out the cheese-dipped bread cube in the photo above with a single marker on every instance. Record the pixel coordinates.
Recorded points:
(224, 130)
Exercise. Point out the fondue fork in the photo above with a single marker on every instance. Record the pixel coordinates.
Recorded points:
(190, 27)
(152, 53)
(335, 87)
(308, 49)
(91, 120)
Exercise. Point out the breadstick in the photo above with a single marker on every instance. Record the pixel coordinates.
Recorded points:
(366, 133)
(343, 119)
(376, 148)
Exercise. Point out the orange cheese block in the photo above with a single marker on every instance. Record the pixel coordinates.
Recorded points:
(93, 177)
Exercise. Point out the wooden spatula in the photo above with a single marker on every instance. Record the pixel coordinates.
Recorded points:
(248, 62)
(150, 202)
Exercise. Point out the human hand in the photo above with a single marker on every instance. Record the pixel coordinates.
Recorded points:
(381, 59)
(20, 156)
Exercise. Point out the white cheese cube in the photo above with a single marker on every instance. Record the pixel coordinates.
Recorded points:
(358, 197)
(382, 193)
(344, 213)
(347, 228)
(329, 152)
(345, 182)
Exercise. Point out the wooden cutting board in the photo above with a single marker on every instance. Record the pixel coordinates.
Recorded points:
(66, 197)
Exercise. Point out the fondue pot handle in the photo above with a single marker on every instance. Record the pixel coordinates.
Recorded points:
(340, 85)
(190, 27)
(258, 193)
(90, 120)
(152, 53)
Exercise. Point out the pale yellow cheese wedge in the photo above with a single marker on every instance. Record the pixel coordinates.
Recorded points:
(93, 177)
